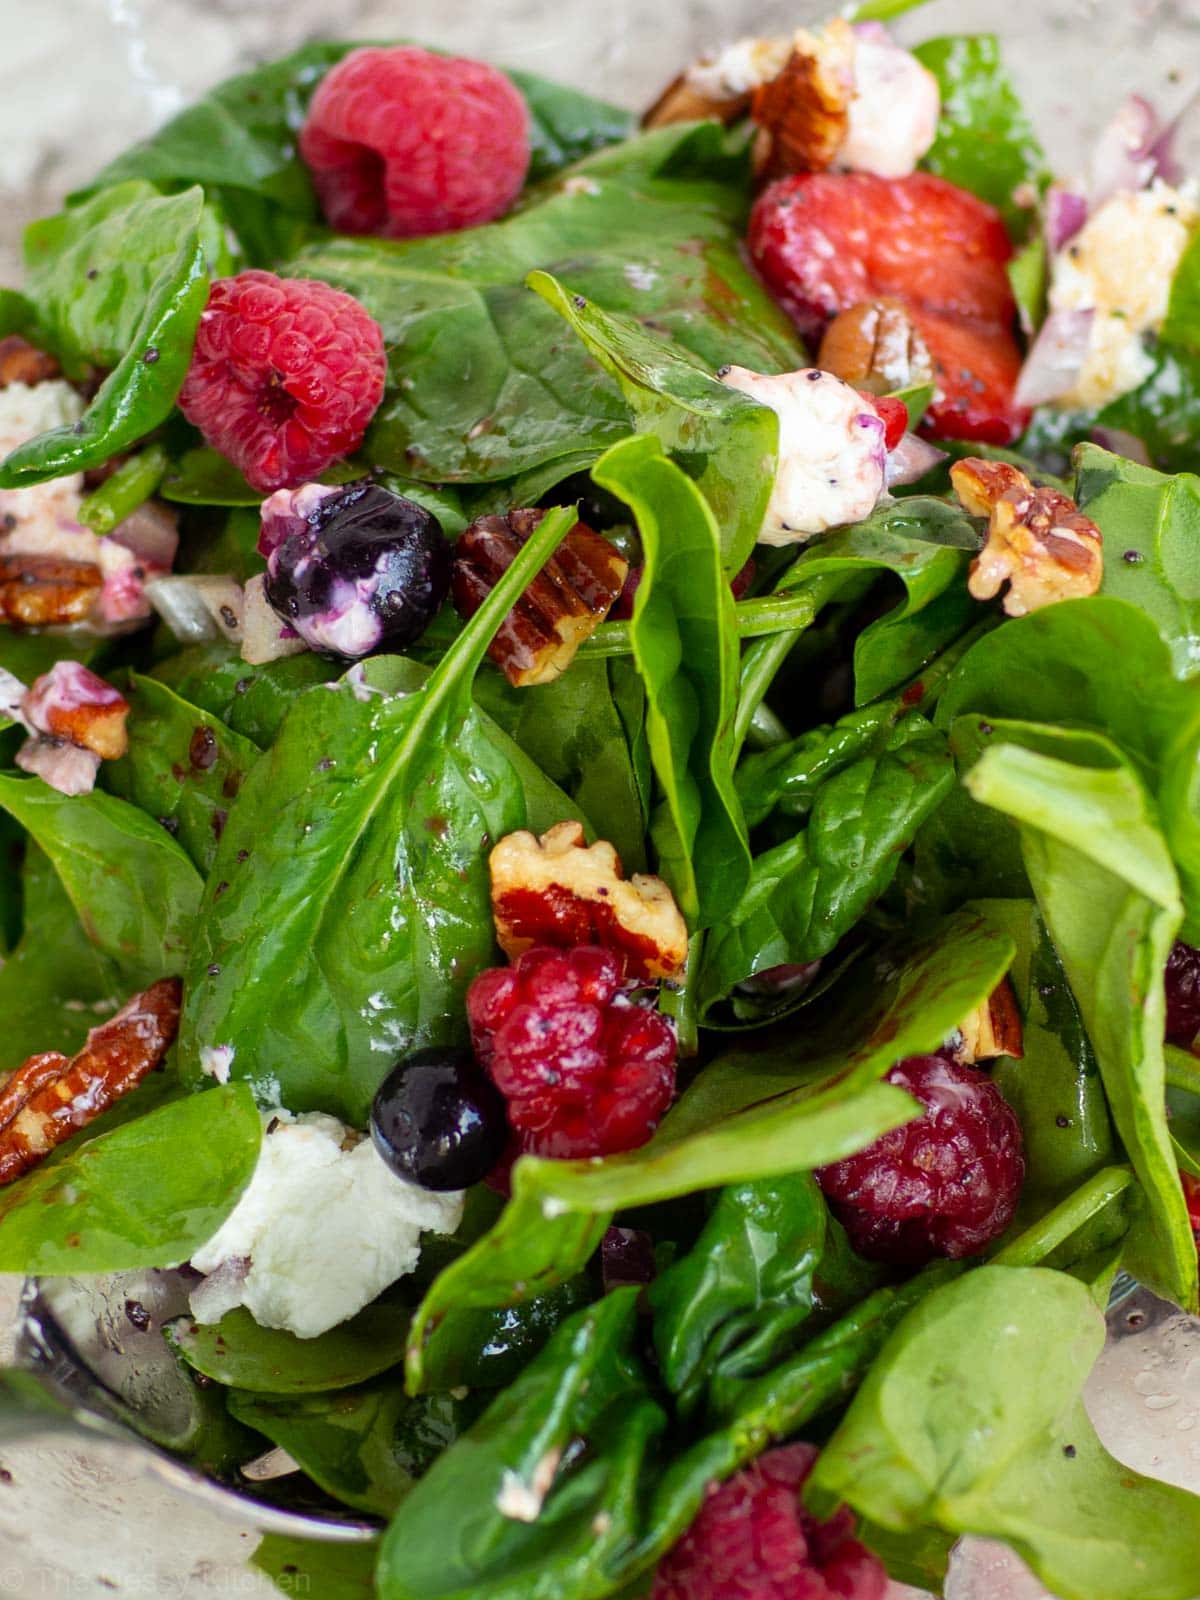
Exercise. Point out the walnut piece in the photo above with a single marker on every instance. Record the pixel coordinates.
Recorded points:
(876, 346)
(44, 1101)
(993, 1028)
(803, 114)
(22, 362)
(70, 702)
(557, 890)
(564, 604)
(1038, 541)
(41, 591)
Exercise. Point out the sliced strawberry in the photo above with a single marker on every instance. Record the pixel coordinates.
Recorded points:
(895, 417)
(975, 367)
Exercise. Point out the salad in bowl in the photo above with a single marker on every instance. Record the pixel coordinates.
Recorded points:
(602, 811)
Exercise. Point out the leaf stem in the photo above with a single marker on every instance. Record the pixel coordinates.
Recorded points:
(130, 486)
(879, 10)
(1036, 1243)
(755, 619)
(679, 1003)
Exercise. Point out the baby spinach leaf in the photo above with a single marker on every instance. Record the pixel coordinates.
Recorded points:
(348, 905)
(804, 895)
(985, 143)
(732, 439)
(686, 652)
(240, 1353)
(1003, 1447)
(341, 1571)
(132, 886)
(483, 383)
(1108, 893)
(790, 775)
(567, 125)
(146, 1194)
(252, 701)
(1182, 323)
(364, 1446)
(184, 767)
(153, 257)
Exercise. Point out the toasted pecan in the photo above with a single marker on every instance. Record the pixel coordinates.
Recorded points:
(22, 362)
(38, 591)
(876, 346)
(51, 1096)
(803, 114)
(993, 1029)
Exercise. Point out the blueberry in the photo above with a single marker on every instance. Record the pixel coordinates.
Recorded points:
(438, 1121)
(354, 570)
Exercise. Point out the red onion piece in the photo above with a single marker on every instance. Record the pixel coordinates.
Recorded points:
(63, 766)
(1182, 130)
(912, 458)
(151, 534)
(1055, 358)
(1124, 154)
(1065, 214)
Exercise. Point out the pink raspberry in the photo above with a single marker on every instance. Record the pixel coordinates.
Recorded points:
(285, 376)
(584, 1070)
(753, 1540)
(401, 142)
(945, 1185)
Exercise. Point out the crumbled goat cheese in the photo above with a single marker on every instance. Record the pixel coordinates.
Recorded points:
(832, 460)
(1121, 264)
(894, 112)
(324, 1225)
(738, 68)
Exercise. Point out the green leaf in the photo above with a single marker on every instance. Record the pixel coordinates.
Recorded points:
(153, 257)
(567, 125)
(483, 384)
(689, 410)
(985, 142)
(1181, 325)
(1028, 272)
(334, 1571)
(348, 906)
(686, 649)
(1107, 891)
(240, 1353)
(132, 886)
(253, 701)
(1003, 1448)
(184, 767)
(146, 1194)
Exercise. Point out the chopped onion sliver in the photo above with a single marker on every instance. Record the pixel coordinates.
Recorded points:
(1056, 357)
(1066, 213)
(1124, 154)
(912, 458)
(1177, 147)
(197, 609)
(151, 534)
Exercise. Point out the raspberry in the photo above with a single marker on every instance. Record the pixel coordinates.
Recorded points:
(285, 376)
(945, 1185)
(1182, 980)
(753, 1540)
(401, 142)
(584, 1070)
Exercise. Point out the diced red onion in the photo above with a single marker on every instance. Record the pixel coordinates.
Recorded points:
(1122, 444)
(12, 697)
(197, 608)
(63, 766)
(912, 458)
(874, 31)
(1056, 357)
(151, 534)
(1182, 130)
(1124, 154)
(1066, 212)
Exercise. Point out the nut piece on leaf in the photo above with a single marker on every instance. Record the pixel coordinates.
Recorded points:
(557, 890)
(876, 346)
(803, 114)
(563, 605)
(41, 591)
(719, 84)
(70, 702)
(1038, 541)
(992, 1029)
(22, 362)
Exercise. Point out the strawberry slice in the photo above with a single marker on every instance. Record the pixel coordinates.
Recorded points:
(975, 369)
(894, 414)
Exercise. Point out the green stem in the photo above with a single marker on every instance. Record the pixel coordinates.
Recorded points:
(879, 10)
(755, 619)
(1183, 1069)
(766, 730)
(680, 1002)
(130, 486)
(1036, 1243)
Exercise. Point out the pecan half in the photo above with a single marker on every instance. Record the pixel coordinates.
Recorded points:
(22, 362)
(993, 1028)
(876, 346)
(51, 1096)
(803, 114)
(71, 702)
(557, 890)
(1038, 541)
(563, 605)
(37, 591)
(720, 84)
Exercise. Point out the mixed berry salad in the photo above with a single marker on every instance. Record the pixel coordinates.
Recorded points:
(601, 810)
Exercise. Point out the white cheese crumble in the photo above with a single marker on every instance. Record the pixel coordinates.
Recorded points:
(216, 1060)
(323, 1227)
(832, 462)
(1121, 264)
(894, 112)
(738, 68)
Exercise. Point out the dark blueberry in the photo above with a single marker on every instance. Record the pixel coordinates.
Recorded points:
(438, 1121)
(354, 570)
(1183, 994)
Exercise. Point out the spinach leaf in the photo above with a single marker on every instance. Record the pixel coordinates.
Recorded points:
(483, 384)
(252, 701)
(985, 143)
(731, 438)
(184, 767)
(132, 886)
(341, 1571)
(1004, 1448)
(752, 1114)
(567, 125)
(364, 1446)
(348, 906)
(1108, 893)
(1182, 323)
(789, 776)
(686, 652)
(804, 895)
(240, 1353)
(153, 257)
(1151, 528)
(146, 1194)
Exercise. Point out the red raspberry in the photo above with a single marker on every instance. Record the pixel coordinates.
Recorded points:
(401, 142)
(285, 376)
(585, 1071)
(753, 1540)
(1182, 981)
(945, 1185)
